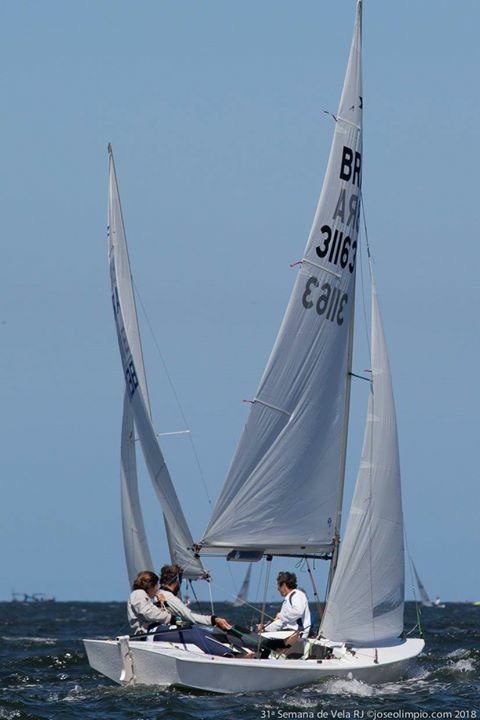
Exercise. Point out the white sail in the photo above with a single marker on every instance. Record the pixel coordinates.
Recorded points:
(426, 602)
(282, 490)
(242, 596)
(135, 543)
(179, 537)
(365, 604)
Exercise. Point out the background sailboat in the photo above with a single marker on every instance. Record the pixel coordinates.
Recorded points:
(424, 596)
(242, 596)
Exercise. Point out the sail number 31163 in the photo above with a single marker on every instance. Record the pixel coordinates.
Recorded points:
(330, 302)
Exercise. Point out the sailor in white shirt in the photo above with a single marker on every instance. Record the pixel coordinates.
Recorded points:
(294, 613)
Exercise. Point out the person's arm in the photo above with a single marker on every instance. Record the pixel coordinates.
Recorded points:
(178, 607)
(291, 611)
(144, 607)
(276, 624)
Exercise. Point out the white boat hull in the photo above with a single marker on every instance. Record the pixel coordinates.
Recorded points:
(130, 662)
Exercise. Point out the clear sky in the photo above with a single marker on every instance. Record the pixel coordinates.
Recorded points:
(215, 113)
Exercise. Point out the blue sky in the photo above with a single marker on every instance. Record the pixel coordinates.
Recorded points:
(215, 113)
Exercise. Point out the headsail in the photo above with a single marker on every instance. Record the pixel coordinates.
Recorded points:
(366, 599)
(179, 538)
(282, 490)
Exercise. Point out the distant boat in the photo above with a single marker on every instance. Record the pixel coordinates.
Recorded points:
(242, 596)
(424, 596)
(34, 598)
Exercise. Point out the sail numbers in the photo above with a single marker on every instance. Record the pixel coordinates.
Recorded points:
(337, 240)
(330, 302)
(339, 249)
(131, 378)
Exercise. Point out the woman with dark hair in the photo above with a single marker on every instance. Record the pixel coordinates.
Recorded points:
(170, 582)
(143, 612)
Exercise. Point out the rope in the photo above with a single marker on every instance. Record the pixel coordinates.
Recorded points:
(320, 605)
(211, 598)
(267, 579)
(175, 395)
(412, 580)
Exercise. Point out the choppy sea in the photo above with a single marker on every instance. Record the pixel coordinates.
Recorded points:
(44, 674)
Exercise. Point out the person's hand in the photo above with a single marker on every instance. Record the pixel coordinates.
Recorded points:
(159, 597)
(260, 628)
(222, 623)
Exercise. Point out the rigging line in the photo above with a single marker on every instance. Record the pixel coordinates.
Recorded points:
(369, 511)
(177, 399)
(194, 594)
(320, 608)
(245, 602)
(267, 579)
(418, 612)
(232, 579)
(364, 304)
(211, 598)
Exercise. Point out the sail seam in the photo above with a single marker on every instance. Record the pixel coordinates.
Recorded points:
(321, 267)
(272, 407)
(348, 122)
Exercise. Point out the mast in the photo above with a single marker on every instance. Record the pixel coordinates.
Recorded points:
(348, 379)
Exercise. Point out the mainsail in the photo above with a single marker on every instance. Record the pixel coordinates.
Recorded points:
(366, 598)
(137, 412)
(283, 488)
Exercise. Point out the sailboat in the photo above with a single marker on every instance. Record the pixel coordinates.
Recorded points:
(283, 493)
(424, 596)
(242, 596)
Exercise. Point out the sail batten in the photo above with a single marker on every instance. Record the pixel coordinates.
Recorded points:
(293, 440)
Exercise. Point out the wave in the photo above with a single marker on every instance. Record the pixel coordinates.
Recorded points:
(17, 639)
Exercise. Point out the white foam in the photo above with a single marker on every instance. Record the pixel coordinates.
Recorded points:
(9, 714)
(459, 653)
(348, 687)
(463, 666)
(35, 640)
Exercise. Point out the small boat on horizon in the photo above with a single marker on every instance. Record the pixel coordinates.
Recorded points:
(32, 598)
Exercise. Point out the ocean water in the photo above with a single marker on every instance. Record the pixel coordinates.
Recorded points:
(44, 674)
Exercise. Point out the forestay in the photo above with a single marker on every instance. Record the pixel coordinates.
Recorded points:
(137, 407)
(365, 604)
(282, 490)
